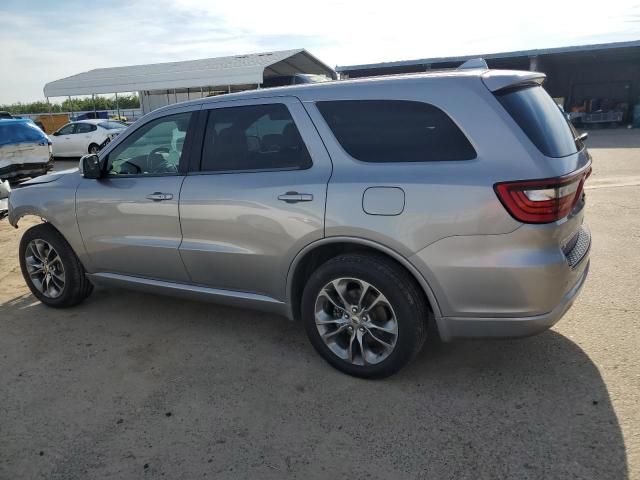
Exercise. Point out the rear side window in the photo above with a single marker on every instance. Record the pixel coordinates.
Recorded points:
(111, 125)
(395, 131)
(85, 128)
(540, 119)
(256, 137)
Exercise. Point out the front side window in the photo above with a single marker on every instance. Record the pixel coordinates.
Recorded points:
(395, 131)
(256, 137)
(154, 149)
(67, 129)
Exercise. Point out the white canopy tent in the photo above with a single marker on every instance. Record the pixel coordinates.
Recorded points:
(165, 83)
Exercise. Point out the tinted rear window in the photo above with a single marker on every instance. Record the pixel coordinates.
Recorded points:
(395, 131)
(541, 120)
(112, 125)
(23, 132)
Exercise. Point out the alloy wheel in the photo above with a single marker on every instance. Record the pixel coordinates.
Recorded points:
(356, 321)
(45, 268)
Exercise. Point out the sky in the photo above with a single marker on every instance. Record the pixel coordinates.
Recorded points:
(43, 40)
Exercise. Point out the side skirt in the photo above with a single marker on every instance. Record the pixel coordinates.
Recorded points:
(192, 292)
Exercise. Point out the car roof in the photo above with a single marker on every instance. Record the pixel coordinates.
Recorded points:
(308, 91)
(5, 121)
(94, 121)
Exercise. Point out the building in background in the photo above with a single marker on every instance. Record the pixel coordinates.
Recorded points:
(595, 83)
(162, 84)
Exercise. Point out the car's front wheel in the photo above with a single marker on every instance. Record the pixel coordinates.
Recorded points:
(364, 314)
(51, 269)
(94, 148)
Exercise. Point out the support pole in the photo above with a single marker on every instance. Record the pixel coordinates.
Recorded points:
(93, 97)
(533, 63)
(70, 106)
(47, 127)
(117, 106)
(228, 88)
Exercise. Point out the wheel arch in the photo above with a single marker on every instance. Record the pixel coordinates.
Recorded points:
(26, 211)
(322, 250)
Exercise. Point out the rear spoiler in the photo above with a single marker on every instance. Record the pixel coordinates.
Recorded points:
(496, 80)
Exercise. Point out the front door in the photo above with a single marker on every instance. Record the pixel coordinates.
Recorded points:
(258, 198)
(63, 139)
(81, 139)
(129, 218)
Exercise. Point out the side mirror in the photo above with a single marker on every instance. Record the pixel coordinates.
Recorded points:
(583, 137)
(90, 166)
(55, 134)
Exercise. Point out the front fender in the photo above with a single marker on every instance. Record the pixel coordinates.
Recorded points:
(54, 202)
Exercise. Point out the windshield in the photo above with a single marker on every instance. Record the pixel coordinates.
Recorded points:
(541, 120)
(112, 125)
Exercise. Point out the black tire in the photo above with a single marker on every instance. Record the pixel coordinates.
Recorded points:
(76, 285)
(93, 148)
(399, 288)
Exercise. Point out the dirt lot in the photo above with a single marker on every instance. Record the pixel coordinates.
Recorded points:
(138, 386)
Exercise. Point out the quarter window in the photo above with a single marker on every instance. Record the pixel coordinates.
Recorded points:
(256, 137)
(395, 131)
(154, 149)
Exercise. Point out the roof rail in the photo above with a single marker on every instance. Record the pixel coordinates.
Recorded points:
(474, 63)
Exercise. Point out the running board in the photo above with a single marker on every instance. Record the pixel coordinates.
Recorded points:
(193, 292)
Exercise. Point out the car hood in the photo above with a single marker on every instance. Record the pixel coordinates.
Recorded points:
(51, 177)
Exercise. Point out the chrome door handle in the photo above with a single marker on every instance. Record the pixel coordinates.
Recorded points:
(159, 196)
(295, 197)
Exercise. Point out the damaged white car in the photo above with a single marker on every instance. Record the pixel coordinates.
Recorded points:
(25, 150)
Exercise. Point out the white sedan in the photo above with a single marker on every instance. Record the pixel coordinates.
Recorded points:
(84, 136)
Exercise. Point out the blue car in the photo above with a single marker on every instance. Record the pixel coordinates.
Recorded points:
(25, 150)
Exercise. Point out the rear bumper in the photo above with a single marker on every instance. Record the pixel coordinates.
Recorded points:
(20, 170)
(466, 327)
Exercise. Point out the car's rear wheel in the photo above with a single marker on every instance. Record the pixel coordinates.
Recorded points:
(364, 314)
(94, 148)
(51, 269)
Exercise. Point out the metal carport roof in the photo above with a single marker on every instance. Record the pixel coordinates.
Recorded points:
(232, 70)
(489, 56)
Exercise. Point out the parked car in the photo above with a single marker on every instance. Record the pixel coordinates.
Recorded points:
(85, 136)
(25, 150)
(5, 114)
(367, 209)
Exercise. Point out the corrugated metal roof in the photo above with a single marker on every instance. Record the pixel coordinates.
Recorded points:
(521, 53)
(231, 70)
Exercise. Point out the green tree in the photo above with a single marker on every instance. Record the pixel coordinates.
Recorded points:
(76, 104)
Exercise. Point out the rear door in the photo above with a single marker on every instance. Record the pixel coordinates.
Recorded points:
(258, 198)
(129, 218)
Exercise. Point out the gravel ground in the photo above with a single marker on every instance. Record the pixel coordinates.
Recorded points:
(130, 385)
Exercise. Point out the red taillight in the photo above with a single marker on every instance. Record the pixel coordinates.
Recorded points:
(542, 201)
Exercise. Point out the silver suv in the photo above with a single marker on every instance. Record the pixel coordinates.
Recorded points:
(367, 209)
